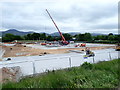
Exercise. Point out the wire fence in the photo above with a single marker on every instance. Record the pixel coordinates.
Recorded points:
(31, 67)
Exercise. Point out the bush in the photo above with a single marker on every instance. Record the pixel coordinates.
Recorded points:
(87, 65)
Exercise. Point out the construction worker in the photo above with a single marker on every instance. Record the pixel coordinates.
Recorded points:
(88, 52)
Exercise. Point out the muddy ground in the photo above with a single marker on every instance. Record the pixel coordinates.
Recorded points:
(20, 50)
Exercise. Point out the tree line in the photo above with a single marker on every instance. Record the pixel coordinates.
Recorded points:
(86, 37)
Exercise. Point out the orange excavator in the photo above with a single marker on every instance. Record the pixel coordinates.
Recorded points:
(63, 42)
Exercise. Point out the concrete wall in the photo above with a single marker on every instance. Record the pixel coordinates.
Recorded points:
(38, 64)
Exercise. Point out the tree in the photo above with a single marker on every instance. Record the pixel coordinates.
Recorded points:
(84, 37)
(43, 36)
(111, 37)
(10, 37)
(87, 37)
(101, 37)
(67, 36)
(29, 37)
(50, 38)
(57, 38)
(18, 37)
(110, 34)
(117, 38)
(80, 37)
(35, 36)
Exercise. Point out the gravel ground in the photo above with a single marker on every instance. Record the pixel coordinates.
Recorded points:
(37, 49)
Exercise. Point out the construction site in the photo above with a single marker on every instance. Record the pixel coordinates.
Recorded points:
(38, 57)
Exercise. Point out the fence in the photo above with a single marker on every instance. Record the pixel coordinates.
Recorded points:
(41, 65)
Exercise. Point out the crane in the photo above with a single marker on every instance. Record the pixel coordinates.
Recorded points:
(64, 42)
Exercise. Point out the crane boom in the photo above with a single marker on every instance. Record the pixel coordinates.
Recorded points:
(56, 26)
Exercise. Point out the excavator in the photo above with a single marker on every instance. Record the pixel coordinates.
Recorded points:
(117, 47)
(63, 42)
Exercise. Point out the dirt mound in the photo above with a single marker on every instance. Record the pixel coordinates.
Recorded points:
(19, 45)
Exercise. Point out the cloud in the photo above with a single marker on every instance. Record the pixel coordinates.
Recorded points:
(69, 15)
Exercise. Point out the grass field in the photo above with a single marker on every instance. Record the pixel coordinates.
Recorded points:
(100, 75)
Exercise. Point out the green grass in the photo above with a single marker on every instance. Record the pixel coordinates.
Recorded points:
(101, 75)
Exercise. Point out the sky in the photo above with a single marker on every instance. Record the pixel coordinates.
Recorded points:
(93, 16)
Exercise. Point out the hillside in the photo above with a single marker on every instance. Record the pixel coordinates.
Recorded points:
(15, 32)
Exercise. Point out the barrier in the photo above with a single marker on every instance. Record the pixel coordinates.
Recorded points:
(31, 67)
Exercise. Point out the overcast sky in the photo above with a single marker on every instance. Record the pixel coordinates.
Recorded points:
(94, 16)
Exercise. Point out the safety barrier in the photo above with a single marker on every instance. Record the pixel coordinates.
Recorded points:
(31, 67)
